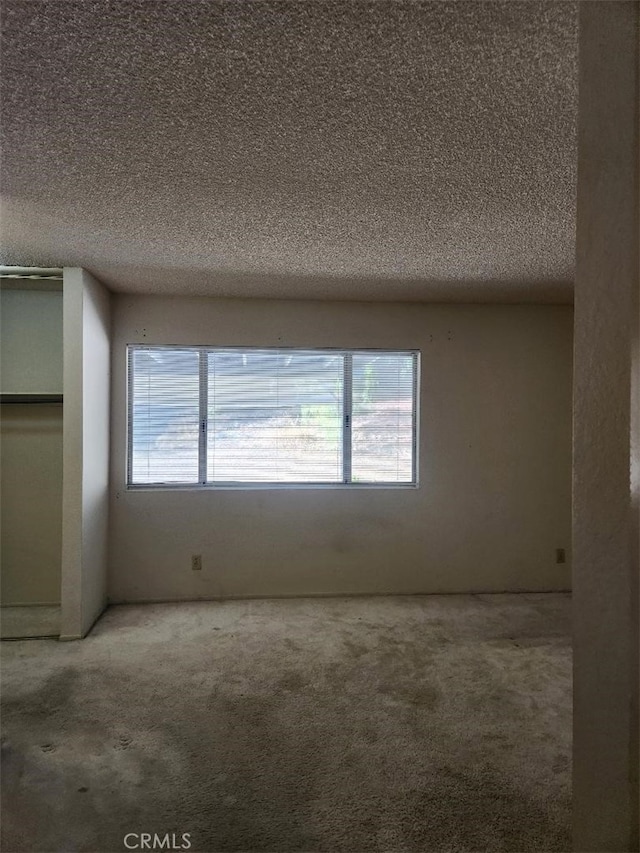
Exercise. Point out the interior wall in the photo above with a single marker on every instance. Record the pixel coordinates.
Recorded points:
(30, 448)
(71, 612)
(606, 728)
(493, 503)
(87, 366)
(96, 390)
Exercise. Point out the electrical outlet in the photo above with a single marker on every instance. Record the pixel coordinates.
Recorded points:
(196, 562)
(561, 556)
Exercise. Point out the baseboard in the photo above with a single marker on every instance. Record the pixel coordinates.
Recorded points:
(66, 638)
(220, 599)
(93, 624)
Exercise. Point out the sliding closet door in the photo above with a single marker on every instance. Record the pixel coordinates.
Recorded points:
(31, 461)
(31, 494)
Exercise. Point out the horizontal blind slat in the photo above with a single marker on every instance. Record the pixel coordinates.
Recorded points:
(382, 437)
(274, 416)
(164, 416)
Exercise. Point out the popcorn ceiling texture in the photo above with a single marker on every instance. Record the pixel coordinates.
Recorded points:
(323, 150)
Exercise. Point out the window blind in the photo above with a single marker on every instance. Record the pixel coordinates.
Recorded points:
(207, 416)
(382, 435)
(164, 400)
(274, 417)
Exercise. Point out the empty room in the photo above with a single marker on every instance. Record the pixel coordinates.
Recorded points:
(319, 426)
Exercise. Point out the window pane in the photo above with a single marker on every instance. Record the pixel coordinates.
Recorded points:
(165, 416)
(274, 416)
(382, 423)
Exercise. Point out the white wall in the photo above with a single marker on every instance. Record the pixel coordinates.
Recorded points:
(606, 757)
(495, 461)
(31, 447)
(87, 329)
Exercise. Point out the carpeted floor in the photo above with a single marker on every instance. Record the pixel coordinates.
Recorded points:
(436, 723)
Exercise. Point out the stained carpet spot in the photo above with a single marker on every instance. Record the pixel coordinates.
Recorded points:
(428, 730)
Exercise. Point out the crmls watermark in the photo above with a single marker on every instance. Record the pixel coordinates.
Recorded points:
(153, 841)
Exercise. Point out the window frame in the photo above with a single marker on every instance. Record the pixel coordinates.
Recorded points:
(347, 418)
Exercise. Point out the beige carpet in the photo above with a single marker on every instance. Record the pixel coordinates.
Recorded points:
(436, 723)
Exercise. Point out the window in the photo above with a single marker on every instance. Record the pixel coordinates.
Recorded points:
(199, 416)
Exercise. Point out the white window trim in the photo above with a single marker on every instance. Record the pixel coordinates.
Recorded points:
(204, 485)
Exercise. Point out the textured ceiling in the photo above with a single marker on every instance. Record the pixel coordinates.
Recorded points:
(351, 150)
